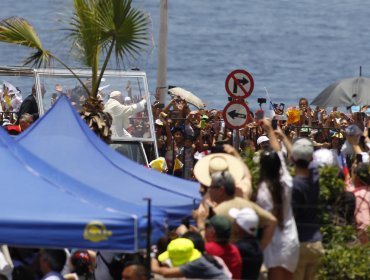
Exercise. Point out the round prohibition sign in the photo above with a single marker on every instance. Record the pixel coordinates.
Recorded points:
(239, 84)
(236, 114)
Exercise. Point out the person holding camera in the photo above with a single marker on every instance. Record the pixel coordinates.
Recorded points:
(306, 112)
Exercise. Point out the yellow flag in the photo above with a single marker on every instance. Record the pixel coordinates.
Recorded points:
(7, 100)
(178, 164)
(159, 164)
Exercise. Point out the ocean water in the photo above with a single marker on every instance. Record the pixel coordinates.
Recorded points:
(292, 48)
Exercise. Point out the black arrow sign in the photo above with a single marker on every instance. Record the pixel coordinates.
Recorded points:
(233, 114)
(243, 81)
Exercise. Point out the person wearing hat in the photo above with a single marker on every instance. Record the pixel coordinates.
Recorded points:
(186, 262)
(121, 113)
(247, 221)
(218, 173)
(305, 203)
(82, 266)
(161, 137)
(217, 235)
(263, 142)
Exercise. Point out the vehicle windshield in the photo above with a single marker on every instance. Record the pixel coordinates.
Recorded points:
(128, 88)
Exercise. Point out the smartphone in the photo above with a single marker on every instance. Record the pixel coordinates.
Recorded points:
(358, 158)
(260, 114)
(274, 124)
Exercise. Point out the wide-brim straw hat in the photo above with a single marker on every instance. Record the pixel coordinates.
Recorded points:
(218, 162)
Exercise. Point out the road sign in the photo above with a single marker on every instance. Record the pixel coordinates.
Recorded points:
(236, 114)
(239, 84)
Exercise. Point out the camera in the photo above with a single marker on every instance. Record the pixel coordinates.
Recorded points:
(261, 100)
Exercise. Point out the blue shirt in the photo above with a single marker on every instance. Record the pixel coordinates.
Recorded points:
(305, 202)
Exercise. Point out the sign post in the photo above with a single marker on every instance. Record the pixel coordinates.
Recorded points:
(239, 85)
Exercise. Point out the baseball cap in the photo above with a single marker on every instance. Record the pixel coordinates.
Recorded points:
(246, 218)
(302, 149)
(262, 139)
(353, 130)
(222, 227)
(180, 251)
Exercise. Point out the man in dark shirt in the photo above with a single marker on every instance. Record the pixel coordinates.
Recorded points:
(248, 244)
(305, 202)
(29, 105)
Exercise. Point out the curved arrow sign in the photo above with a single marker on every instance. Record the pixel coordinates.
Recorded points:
(239, 84)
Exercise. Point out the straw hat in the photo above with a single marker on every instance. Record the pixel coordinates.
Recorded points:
(218, 162)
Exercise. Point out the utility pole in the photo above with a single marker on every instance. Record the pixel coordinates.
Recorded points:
(161, 89)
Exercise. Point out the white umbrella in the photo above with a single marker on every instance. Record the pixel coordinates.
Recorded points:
(187, 96)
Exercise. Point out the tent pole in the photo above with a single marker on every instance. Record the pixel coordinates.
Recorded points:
(148, 237)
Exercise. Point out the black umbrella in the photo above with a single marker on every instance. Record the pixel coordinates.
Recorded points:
(346, 92)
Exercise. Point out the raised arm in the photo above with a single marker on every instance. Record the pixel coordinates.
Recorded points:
(274, 143)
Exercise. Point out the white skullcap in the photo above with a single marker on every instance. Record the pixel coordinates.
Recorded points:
(115, 94)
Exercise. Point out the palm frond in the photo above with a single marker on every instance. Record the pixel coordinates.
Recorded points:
(16, 30)
(124, 25)
(85, 31)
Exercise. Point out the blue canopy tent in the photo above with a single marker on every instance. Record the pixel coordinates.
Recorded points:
(47, 211)
(62, 139)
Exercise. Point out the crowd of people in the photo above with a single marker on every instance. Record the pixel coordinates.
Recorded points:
(238, 231)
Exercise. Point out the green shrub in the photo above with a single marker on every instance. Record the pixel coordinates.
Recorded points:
(345, 257)
(343, 261)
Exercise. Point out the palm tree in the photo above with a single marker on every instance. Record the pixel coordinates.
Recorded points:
(97, 27)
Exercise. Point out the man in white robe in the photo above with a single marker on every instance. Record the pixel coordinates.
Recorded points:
(121, 113)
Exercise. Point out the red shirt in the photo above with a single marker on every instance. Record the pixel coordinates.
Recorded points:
(230, 255)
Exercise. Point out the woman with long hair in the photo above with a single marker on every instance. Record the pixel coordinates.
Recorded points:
(274, 195)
